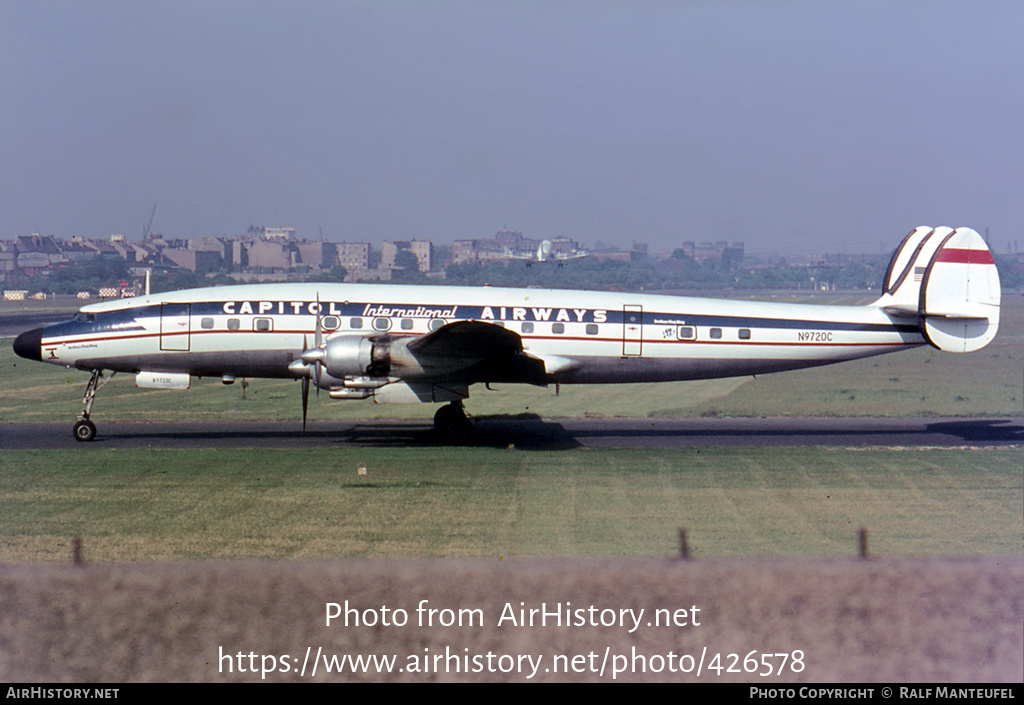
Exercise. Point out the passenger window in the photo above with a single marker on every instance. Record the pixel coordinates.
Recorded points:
(436, 323)
(686, 332)
(591, 329)
(528, 327)
(406, 324)
(744, 334)
(356, 323)
(716, 333)
(206, 323)
(234, 324)
(330, 323)
(263, 324)
(557, 328)
(381, 323)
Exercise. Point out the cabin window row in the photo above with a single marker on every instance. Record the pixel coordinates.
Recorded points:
(328, 323)
(381, 323)
(528, 327)
(690, 333)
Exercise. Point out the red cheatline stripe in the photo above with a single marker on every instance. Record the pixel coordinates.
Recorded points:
(965, 256)
(53, 344)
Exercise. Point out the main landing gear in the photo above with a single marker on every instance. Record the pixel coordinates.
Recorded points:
(451, 423)
(85, 430)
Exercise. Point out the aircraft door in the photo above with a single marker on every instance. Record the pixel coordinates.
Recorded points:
(175, 330)
(632, 330)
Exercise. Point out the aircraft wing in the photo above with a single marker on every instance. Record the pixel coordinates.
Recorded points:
(483, 352)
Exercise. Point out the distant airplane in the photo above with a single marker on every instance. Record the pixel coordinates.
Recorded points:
(430, 343)
(544, 254)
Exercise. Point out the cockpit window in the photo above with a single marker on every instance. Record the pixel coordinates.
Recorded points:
(82, 317)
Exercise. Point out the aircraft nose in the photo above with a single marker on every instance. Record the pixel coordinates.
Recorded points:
(29, 345)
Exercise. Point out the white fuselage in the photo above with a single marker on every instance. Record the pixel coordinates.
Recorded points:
(582, 337)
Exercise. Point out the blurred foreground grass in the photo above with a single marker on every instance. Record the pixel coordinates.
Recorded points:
(149, 505)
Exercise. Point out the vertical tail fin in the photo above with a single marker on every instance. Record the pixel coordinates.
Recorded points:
(948, 280)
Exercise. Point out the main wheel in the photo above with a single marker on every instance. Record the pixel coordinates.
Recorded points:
(461, 431)
(452, 426)
(85, 430)
(443, 419)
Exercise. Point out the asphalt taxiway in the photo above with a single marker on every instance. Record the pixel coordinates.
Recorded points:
(534, 433)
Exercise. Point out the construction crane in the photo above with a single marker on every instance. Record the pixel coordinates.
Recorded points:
(145, 236)
(145, 231)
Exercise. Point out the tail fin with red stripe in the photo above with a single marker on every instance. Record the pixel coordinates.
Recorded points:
(947, 279)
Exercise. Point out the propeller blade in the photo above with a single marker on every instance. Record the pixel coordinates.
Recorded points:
(305, 400)
(318, 341)
(305, 385)
(314, 357)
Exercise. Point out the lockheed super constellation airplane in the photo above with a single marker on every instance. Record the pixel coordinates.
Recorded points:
(430, 343)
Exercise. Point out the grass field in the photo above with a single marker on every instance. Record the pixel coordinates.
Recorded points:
(165, 505)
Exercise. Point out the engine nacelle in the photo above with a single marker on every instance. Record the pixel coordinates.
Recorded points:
(357, 356)
(349, 356)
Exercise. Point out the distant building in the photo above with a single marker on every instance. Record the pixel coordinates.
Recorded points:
(268, 255)
(201, 255)
(613, 254)
(8, 261)
(268, 233)
(315, 255)
(35, 252)
(353, 255)
(463, 251)
(420, 248)
(708, 250)
(184, 258)
(509, 238)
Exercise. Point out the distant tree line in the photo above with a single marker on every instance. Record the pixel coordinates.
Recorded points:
(83, 275)
(1011, 272)
(678, 272)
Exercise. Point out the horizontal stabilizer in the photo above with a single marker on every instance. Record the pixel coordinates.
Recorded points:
(948, 279)
(966, 314)
(894, 310)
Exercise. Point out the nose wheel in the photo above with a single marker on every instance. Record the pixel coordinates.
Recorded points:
(85, 430)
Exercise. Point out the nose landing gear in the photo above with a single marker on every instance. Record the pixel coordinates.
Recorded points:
(85, 430)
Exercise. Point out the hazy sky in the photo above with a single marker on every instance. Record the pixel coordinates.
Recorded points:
(794, 126)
